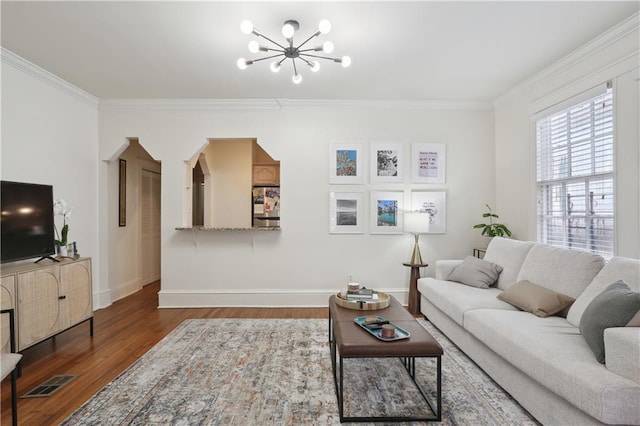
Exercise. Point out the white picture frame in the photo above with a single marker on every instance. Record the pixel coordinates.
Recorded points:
(386, 212)
(346, 163)
(346, 212)
(435, 204)
(428, 162)
(386, 162)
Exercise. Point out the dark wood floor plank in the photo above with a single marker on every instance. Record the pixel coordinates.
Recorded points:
(123, 333)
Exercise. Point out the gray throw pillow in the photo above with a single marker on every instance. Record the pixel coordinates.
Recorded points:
(475, 272)
(614, 307)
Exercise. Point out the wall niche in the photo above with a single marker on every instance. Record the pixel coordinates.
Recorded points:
(222, 176)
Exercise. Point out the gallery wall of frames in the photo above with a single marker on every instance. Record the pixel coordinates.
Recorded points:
(397, 182)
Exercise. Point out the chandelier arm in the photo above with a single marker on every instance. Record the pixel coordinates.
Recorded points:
(274, 42)
(269, 57)
(305, 60)
(295, 69)
(318, 56)
(310, 37)
(270, 49)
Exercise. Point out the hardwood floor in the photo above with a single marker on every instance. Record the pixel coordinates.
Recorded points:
(123, 332)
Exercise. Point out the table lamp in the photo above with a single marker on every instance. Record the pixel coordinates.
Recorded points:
(416, 223)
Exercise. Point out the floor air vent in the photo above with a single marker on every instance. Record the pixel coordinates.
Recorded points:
(50, 386)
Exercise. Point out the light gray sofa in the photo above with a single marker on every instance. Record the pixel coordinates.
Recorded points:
(544, 363)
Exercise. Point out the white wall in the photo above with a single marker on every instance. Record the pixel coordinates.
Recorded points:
(302, 264)
(613, 56)
(50, 136)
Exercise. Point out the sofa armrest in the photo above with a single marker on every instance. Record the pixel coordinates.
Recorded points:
(444, 268)
(622, 351)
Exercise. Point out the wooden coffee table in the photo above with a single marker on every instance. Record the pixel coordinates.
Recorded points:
(349, 340)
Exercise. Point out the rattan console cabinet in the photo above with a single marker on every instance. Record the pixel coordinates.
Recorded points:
(48, 298)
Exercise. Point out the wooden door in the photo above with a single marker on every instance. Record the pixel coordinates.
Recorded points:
(150, 226)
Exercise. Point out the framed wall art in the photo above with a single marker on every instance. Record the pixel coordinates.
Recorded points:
(122, 193)
(346, 163)
(428, 163)
(386, 212)
(387, 161)
(435, 204)
(346, 212)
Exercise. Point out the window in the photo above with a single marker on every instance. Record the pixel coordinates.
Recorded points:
(575, 174)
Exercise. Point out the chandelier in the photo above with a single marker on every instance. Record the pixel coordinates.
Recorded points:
(289, 51)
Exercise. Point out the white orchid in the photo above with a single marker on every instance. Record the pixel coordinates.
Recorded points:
(61, 208)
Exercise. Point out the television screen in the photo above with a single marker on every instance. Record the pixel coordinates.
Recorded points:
(27, 227)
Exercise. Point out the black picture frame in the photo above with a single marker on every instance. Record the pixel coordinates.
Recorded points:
(122, 193)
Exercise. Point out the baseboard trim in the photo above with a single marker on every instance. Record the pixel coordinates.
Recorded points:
(190, 298)
(125, 289)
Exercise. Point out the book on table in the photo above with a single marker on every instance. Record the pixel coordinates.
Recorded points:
(364, 294)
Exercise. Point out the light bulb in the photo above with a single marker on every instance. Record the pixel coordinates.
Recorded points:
(315, 66)
(297, 78)
(242, 63)
(288, 30)
(254, 46)
(327, 47)
(346, 61)
(246, 26)
(275, 66)
(324, 26)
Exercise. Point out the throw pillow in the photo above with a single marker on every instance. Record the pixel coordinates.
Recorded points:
(536, 299)
(616, 306)
(475, 272)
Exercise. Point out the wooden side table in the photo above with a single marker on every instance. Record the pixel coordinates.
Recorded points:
(414, 296)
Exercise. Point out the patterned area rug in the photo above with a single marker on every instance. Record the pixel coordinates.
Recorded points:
(278, 372)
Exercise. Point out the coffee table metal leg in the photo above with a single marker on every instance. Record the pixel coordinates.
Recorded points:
(410, 365)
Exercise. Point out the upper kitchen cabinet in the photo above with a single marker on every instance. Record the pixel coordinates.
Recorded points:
(266, 170)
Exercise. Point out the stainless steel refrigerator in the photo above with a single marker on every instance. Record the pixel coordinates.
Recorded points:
(266, 206)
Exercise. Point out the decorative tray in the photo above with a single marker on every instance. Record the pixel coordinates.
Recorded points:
(364, 305)
(373, 325)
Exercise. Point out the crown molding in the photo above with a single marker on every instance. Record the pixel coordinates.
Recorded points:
(280, 104)
(606, 39)
(31, 69)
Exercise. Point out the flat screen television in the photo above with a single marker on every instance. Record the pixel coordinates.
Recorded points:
(27, 227)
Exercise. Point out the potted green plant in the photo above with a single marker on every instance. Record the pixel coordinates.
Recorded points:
(492, 229)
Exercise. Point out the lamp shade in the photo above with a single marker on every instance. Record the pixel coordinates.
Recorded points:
(416, 223)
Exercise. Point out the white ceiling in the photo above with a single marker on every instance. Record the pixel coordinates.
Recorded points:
(462, 51)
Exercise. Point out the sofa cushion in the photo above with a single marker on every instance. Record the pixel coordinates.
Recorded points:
(614, 307)
(538, 300)
(454, 299)
(617, 268)
(622, 346)
(475, 272)
(565, 271)
(552, 352)
(509, 254)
